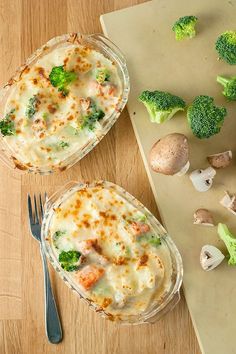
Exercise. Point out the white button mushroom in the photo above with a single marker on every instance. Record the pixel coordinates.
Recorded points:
(210, 257)
(203, 179)
(203, 217)
(169, 155)
(220, 160)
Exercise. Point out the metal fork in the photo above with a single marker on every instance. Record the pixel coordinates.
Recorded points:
(52, 320)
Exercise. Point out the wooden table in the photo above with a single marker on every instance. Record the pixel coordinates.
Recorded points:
(26, 25)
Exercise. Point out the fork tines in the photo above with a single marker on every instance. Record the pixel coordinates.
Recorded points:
(35, 209)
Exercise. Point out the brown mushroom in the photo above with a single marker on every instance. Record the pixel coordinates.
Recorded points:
(220, 160)
(169, 155)
(203, 217)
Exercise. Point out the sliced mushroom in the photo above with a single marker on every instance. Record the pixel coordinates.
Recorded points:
(229, 202)
(203, 179)
(220, 160)
(169, 155)
(203, 217)
(210, 257)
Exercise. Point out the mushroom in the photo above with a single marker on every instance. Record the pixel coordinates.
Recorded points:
(203, 179)
(229, 202)
(220, 160)
(169, 155)
(210, 257)
(203, 217)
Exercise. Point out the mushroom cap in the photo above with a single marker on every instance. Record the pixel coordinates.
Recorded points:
(169, 154)
(220, 160)
(203, 217)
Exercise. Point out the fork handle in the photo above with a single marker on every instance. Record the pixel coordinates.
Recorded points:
(52, 320)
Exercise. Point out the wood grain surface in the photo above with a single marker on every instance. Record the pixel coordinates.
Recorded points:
(24, 26)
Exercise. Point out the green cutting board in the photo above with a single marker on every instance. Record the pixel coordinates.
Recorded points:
(187, 68)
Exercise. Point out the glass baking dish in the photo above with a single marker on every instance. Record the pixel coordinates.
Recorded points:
(102, 45)
(155, 311)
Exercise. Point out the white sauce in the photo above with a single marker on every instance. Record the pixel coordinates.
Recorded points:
(56, 129)
(136, 273)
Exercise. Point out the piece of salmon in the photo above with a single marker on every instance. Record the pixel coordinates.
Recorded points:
(139, 228)
(89, 275)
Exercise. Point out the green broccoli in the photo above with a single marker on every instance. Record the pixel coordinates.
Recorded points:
(153, 240)
(69, 260)
(56, 236)
(229, 87)
(63, 144)
(204, 118)
(161, 105)
(184, 27)
(32, 106)
(61, 78)
(7, 125)
(226, 47)
(230, 242)
(102, 75)
(94, 116)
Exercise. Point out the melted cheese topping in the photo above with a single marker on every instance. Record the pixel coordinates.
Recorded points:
(123, 268)
(55, 131)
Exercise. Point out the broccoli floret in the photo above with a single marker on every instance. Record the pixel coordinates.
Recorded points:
(204, 118)
(63, 144)
(226, 47)
(184, 27)
(153, 240)
(32, 106)
(69, 260)
(95, 115)
(7, 125)
(161, 105)
(102, 75)
(230, 242)
(229, 87)
(61, 78)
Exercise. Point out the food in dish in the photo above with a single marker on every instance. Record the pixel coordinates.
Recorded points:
(60, 104)
(111, 250)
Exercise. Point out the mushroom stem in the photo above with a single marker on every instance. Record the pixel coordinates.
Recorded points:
(183, 170)
(229, 202)
(203, 179)
(210, 257)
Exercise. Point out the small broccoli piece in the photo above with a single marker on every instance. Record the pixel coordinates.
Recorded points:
(94, 116)
(204, 118)
(229, 87)
(160, 105)
(230, 242)
(32, 106)
(226, 47)
(56, 236)
(102, 75)
(184, 27)
(64, 144)
(153, 240)
(61, 78)
(7, 125)
(69, 260)
(45, 115)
